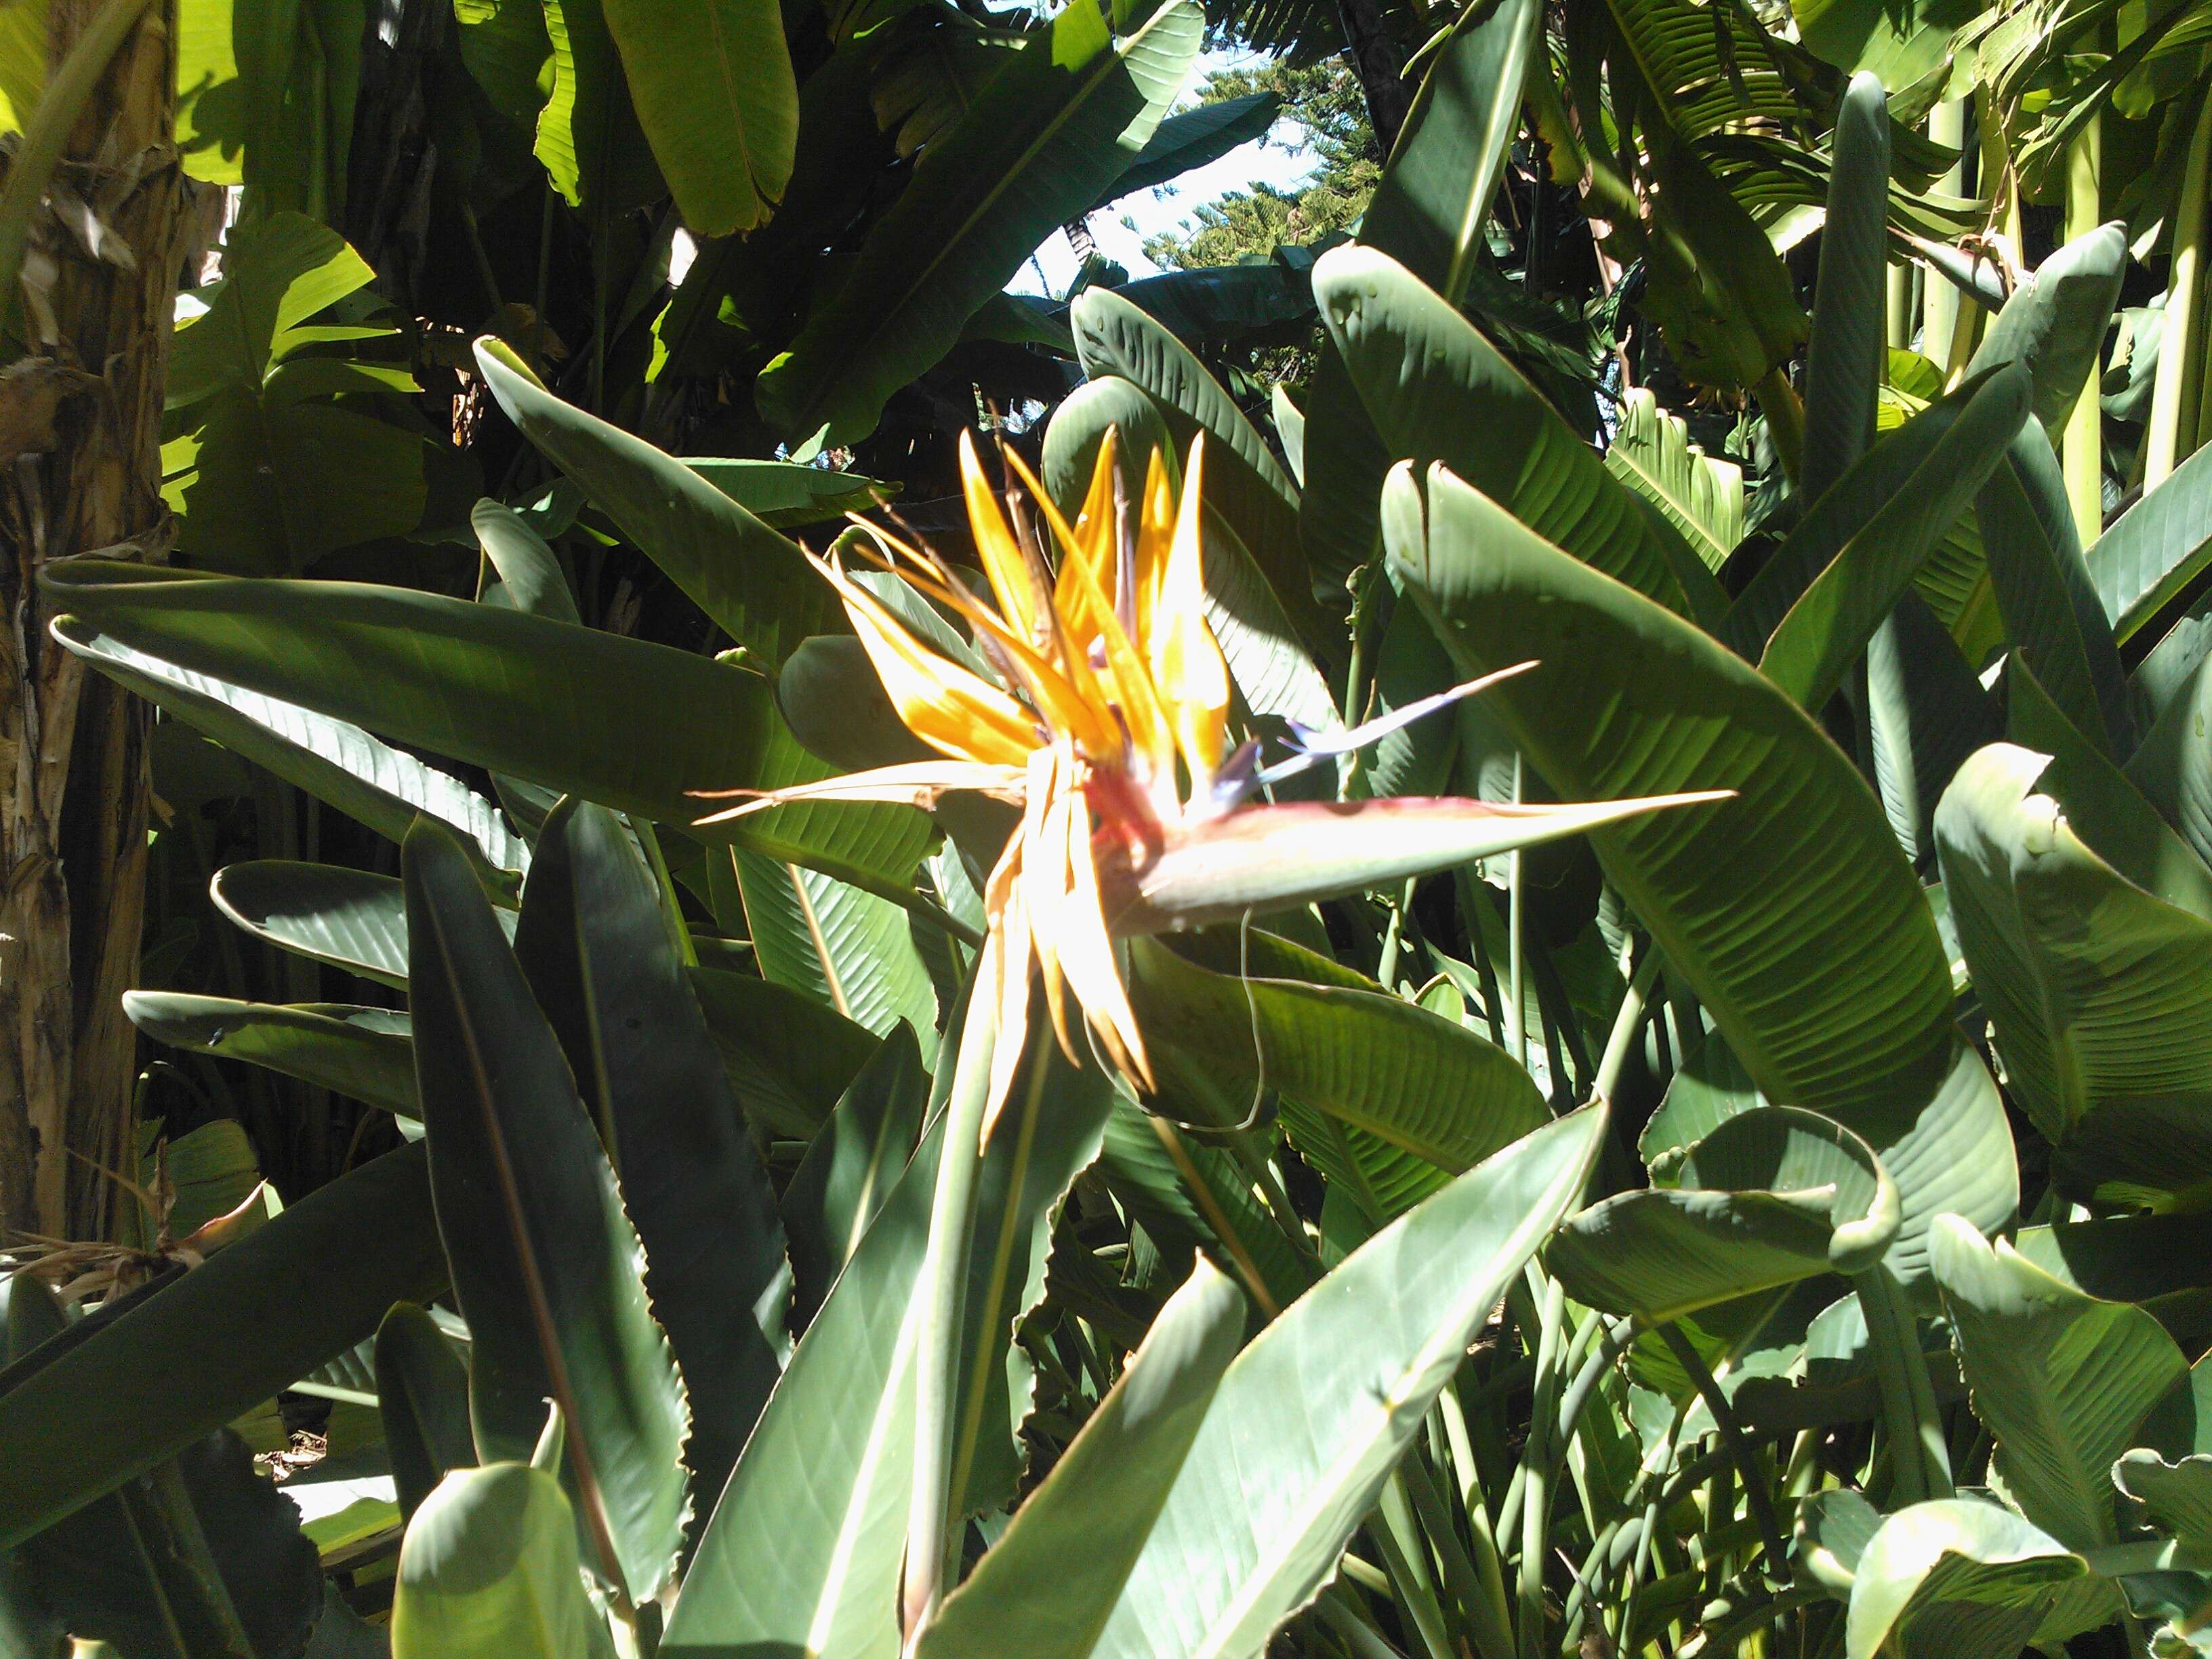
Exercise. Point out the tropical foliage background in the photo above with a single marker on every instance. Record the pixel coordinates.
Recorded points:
(1780, 1223)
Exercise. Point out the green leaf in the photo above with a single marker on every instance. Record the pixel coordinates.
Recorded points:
(2102, 805)
(523, 572)
(346, 918)
(851, 1167)
(1428, 212)
(1244, 481)
(2096, 990)
(2172, 766)
(715, 92)
(588, 135)
(1845, 362)
(506, 47)
(1902, 44)
(750, 581)
(1050, 1581)
(2063, 1381)
(127, 1391)
(422, 1397)
(1828, 627)
(786, 495)
(595, 943)
(1915, 481)
(787, 1056)
(2050, 609)
(363, 1053)
(847, 950)
(1440, 1095)
(1772, 1196)
(1437, 392)
(832, 1459)
(547, 1268)
(1959, 1578)
(579, 711)
(1050, 132)
(2055, 322)
(1702, 498)
(487, 1569)
(2176, 1497)
(2152, 552)
(1192, 138)
(1790, 910)
(1310, 1417)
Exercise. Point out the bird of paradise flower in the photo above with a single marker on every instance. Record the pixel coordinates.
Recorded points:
(1110, 729)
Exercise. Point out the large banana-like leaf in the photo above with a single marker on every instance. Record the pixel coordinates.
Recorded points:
(750, 581)
(488, 1571)
(1437, 392)
(2096, 990)
(363, 1053)
(2055, 322)
(129, 1388)
(803, 1548)
(1772, 1196)
(714, 90)
(1926, 712)
(596, 943)
(333, 760)
(1244, 482)
(1049, 132)
(1441, 1097)
(2176, 1497)
(1310, 1417)
(1790, 910)
(1845, 358)
(2173, 765)
(787, 1056)
(346, 918)
(1959, 1578)
(1192, 138)
(847, 949)
(1827, 627)
(1915, 482)
(547, 1266)
(2152, 551)
(2060, 1379)
(1050, 1583)
(580, 711)
(423, 1400)
(1428, 213)
(1702, 498)
(850, 1168)
(2051, 609)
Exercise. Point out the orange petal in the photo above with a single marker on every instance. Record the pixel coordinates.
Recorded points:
(1187, 662)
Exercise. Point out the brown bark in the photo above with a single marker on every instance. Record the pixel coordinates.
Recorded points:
(79, 471)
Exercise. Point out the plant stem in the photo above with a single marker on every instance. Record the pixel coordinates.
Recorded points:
(952, 1218)
(1785, 419)
(2180, 333)
(1535, 1460)
(1624, 1024)
(2084, 451)
(1939, 301)
(1737, 1446)
(1516, 1029)
(1920, 1464)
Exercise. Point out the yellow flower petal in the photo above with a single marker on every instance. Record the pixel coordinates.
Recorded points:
(948, 707)
(1008, 569)
(1186, 663)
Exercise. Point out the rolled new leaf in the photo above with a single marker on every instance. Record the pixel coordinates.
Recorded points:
(488, 1571)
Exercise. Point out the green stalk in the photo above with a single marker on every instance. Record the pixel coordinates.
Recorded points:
(1920, 1464)
(935, 1390)
(1733, 1442)
(2083, 453)
(1493, 1630)
(1939, 301)
(1785, 419)
(1403, 1558)
(2180, 335)
(1517, 1030)
(1536, 1460)
(1624, 1024)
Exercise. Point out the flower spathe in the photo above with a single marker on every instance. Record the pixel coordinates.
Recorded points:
(1113, 721)
(1109, 728)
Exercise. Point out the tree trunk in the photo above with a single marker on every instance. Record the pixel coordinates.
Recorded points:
(79, 471)
(1382, 72)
